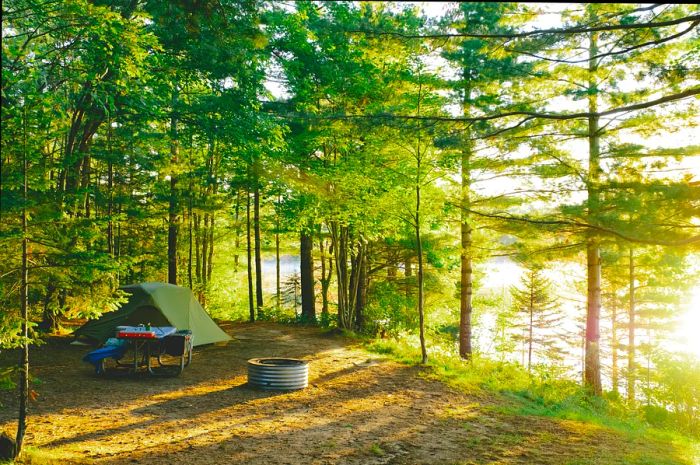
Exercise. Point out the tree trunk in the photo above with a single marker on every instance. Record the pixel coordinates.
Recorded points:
(529, 338)
(190, 227)
(296, 299)
(278, 282)
(325, 280)
(631, 349)
(197, 247)
(419, 246)
(592, 372)
(118, 238)
(391, 271)
(324, 297)
(465, 300)
(251, 303)
(49, 320)
(23, 386)
(408, 273)
(210, 266)
(466, 279)
(110, 204)
(236, 257)
(205, 248)
(352, 288)
(212, 190)
(173, 204)
(76, 173)
(583, 355)
(308, 309)
(85, 172)
(258, 260)
(356, 257)
(614, 343)
(342, 264)
(361, 295)
(339, 238)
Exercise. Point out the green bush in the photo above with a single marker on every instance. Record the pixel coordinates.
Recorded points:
(285, 315)
(389, 311)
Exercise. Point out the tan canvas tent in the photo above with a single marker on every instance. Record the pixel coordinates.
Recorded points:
(159, 304)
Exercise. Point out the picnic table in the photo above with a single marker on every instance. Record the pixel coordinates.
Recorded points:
(144, 343)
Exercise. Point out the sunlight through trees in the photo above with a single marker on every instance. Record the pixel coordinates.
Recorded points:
(400, 157)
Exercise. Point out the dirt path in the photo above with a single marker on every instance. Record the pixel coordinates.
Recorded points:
(358, 409)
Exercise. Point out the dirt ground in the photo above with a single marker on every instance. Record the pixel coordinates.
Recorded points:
(358, 409)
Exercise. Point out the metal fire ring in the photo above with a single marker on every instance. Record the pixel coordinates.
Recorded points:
(278, 373)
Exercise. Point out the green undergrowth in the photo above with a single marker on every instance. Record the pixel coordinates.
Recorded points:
(37, 456)
(541, 393)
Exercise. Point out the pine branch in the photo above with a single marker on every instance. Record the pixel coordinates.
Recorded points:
(610, 53)
(537, 32)
(523, 219)
(527, 114)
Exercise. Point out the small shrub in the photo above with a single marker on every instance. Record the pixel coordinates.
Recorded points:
(6, 382)
(656, 416)
(283, 315)
(377, 450)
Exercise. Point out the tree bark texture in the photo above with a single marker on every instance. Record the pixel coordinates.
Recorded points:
(466, 274)
(23, 385)
(361, 297)
(236, 256)
(190, 227)
(631, 347)
(110, 208)
(49, 319)
(347, 278)
(592, 370)
(529, 338)
(615, 379)
(251, 302)
(308, 307)
(326, 274)
(258, 259)
(173, 206)
(419, 251)
(278, 282)
(408, 275)
(466, 288)
(339, 238)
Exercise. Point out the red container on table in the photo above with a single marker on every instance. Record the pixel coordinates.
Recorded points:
(136, 333)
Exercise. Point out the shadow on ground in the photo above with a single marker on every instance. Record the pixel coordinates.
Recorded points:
(355, 411)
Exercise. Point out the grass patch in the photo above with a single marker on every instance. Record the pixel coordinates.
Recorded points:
(520, 393)
(35, 456)
(375, 449)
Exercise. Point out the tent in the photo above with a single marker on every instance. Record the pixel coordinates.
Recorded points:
(159, 304)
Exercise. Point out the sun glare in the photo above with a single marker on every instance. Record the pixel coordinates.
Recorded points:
(689, 325)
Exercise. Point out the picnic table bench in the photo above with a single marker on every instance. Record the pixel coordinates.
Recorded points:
(144, 343)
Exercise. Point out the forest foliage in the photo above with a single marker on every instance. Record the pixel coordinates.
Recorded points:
(409, 161)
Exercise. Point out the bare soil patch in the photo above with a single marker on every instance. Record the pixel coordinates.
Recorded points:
(358, 409)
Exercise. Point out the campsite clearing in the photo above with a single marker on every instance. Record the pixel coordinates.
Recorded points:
(358, 409)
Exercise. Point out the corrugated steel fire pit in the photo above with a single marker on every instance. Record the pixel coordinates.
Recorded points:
(278, 373)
